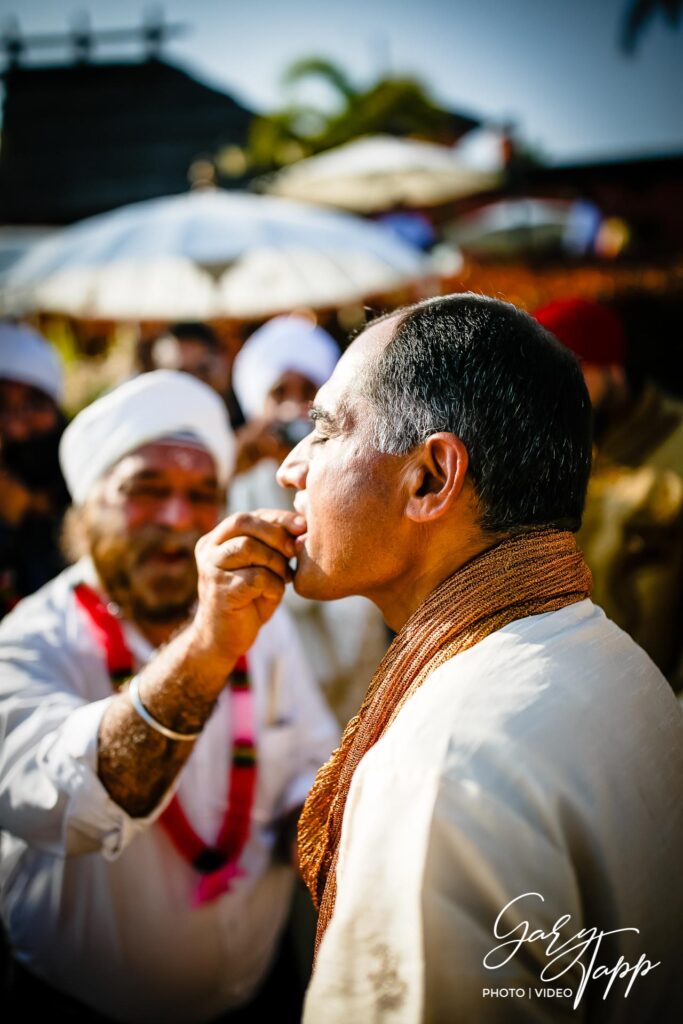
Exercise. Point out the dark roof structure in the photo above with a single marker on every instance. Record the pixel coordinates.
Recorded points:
(87, 137)
(633, 172)
(647, 191)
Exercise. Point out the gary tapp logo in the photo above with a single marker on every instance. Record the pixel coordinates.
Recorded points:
(580, 952)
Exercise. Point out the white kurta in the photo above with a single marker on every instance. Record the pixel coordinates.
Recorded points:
(548, 759)
(98, 903)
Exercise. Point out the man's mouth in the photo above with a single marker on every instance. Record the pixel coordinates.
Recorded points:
(298, 504)
(167, 556)
(300, 539)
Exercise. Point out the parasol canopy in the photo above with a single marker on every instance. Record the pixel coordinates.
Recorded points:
(208, 254)
(381, 172)
(513, 226)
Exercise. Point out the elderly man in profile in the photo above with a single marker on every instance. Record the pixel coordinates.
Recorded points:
(498, 836)
(160, 726)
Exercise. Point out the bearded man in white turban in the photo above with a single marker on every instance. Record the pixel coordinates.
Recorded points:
(161, 728)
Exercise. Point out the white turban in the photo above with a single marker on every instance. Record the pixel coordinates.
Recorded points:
(284, 343)
(150, 407)
(28, 358)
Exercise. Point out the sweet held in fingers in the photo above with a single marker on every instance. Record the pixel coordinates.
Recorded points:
(294, 529)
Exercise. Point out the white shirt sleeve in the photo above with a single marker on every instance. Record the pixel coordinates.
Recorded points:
(50, 794)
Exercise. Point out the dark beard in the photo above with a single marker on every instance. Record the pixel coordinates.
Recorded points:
(163, 614)
(35, 462)
(117, 560)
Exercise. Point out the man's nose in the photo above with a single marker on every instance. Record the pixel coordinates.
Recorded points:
(176, 513)
(293, 471)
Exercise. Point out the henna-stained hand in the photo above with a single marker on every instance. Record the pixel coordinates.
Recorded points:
(243, 565)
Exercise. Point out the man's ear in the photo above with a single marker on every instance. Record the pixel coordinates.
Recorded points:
(436, 478)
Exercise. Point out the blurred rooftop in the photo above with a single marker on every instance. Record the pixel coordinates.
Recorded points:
(87, 137)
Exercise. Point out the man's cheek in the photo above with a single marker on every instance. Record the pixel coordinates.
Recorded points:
(133, 518)
(111, 518)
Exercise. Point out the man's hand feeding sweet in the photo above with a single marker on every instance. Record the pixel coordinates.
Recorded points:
(243, 566)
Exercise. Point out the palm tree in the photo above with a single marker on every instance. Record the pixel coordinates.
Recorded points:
(393, 105)
(639, 12)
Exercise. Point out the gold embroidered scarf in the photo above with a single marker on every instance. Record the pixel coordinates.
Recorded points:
(532, 573)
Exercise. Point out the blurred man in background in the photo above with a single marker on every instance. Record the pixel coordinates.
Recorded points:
(635, 423)
(276, 375)
(32, 491)
(195, 348)
(632, 533)
(148, 829)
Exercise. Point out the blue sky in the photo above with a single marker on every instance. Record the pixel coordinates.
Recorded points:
(554, 66)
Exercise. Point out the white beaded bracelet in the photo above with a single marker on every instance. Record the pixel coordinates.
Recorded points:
(144, 714)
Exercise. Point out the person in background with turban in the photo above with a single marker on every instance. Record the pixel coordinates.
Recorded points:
(32, 491)
(276, 375)
(161, 729)
(193, 347)
(632, 532)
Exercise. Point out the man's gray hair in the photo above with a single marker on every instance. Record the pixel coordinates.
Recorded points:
(488, 373)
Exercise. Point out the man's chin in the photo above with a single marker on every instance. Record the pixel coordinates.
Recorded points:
(162, 585)
(164, 600)
(162, 613)
(312, 583)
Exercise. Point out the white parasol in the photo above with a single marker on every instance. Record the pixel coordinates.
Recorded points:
(208, 254)
(381, 172)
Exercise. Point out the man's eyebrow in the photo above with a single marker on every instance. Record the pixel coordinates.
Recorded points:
(317, 412)
(210, 480)
(145, 474)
